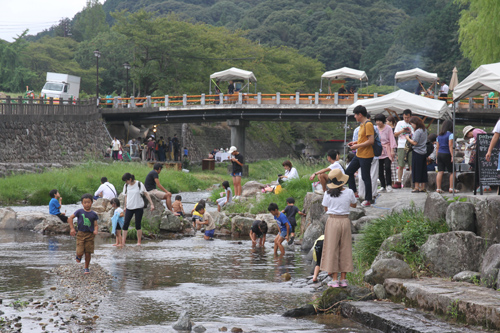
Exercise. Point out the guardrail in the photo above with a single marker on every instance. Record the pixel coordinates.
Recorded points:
(274, 99)
(46, 106)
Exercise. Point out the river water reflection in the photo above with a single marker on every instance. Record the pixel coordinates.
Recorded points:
(220, 283)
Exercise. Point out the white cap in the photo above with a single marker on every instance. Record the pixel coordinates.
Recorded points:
(233, 148)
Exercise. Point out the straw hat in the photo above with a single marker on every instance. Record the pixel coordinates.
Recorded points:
(467, 129)
(336, 179)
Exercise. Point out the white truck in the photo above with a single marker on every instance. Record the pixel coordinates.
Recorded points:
(61, 86)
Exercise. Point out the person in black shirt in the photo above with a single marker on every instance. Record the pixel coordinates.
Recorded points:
(152, 181)
(176, 146)
(237, 161)
(258, 231)
(230, 88)
(290, 211)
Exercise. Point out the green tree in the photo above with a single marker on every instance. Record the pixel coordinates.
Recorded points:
(14, 75)
(479, 27)
(90, 21)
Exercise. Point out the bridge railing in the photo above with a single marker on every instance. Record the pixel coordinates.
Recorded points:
(273, 99)
(46, 106)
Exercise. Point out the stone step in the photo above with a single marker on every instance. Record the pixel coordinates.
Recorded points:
(467, 302)
(394, 317)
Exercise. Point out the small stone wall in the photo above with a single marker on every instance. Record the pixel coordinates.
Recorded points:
(51, 139)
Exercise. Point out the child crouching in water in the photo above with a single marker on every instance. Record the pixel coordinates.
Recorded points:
(118, 221)
(337, 246)
(283, 225)
(227, 198)
(87, 229)
(200, 217)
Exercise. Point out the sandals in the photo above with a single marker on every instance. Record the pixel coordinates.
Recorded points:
(451, 190)
(78, 259)
(439, 190)
(415, 191)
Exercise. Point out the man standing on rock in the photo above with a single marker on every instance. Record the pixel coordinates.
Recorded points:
(152, 182)
(237, 161)
(364, 153)
(403, 128)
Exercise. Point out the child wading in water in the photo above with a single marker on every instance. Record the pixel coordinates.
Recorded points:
(118, 220)
(87, 229)
(227, 198)
(283, 225)
(337, 246)
(203, 217)
(290, 211)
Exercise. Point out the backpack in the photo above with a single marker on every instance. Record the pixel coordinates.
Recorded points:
(377, 145)
(429, 148)
(146, 202)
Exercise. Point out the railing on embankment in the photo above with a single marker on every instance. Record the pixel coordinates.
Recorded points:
(46, 106)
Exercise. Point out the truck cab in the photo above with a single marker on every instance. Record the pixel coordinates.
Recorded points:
(61, 86)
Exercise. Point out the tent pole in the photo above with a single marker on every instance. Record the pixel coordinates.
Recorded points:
(438, 126)
(321, 85)
(210, 87)
(345, 135)
(453, 156)
(394, 84)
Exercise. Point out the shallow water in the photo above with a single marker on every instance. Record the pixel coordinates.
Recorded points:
(220, 283)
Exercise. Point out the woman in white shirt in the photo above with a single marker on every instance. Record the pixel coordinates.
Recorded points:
(290, 172)
(337, 246)
(134, 205)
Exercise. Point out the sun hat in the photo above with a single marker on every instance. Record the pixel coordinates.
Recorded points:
(233, 148)
(336, 179)
(467, 129)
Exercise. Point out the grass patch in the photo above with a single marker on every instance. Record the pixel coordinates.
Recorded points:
(414, 227)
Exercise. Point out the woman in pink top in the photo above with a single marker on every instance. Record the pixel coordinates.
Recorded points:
(387, 156)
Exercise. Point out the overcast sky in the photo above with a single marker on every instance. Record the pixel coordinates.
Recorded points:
(35, 15)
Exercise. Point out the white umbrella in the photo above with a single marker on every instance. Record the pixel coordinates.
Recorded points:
(454, 79)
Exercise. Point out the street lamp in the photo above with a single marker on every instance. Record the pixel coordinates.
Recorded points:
(97, 55)
(127, 67)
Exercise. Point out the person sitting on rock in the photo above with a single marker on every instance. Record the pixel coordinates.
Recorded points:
(290, 173)
(106, 190)
(227, 196)
(55, 205)
(258, 231)
(333, 158)
(152, 181)
(177, 207)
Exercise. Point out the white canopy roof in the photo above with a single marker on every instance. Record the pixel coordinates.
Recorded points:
(345, 73)
(234, 73)
(401, 100)
(484, 79)
(414, 74)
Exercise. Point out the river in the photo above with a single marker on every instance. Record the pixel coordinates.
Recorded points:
(220, 283)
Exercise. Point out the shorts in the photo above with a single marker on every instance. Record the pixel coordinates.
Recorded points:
(210, 233)
(236, 174)
(283, 233)
(158, 194)
(180, 213)
(62, 217)
(85, 242)
(401, 158)
(293, 224)
(444, 162)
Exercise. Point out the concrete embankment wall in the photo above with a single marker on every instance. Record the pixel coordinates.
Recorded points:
(51, 138)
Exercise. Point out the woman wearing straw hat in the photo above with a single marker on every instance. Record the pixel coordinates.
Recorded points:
(337, 246)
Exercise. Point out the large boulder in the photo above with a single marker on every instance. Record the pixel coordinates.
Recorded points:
(241, 225)
(388, 255)
(222, 221)
(29, 220)
(313, 208)
(52, 225)
(251, 188)
(312, 233)
(467, 276)
(154, 216)
(272, 226)
(8, 219)
(101, 205)
(487, 212)
(461, 216)
(356, 213)
(183, 323)
(387, 268)
(171, 223)
(490, 266)
(360, 223)
(435, 206)
(452, 252)
(391, 242)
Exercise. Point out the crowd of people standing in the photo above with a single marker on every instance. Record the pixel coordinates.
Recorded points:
(149, 149)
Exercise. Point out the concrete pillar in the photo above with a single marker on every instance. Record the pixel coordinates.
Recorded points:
(297, 97)
(202, 99)
(238, 133)
(166, 100)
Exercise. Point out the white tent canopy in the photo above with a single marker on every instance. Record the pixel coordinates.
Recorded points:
(484, 79)
(345, 73)
(415, 74)
(234, 73)
(401, 100)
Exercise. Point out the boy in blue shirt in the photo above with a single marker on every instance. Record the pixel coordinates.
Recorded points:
(283, 225)
(55, 205)
(87, 229)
